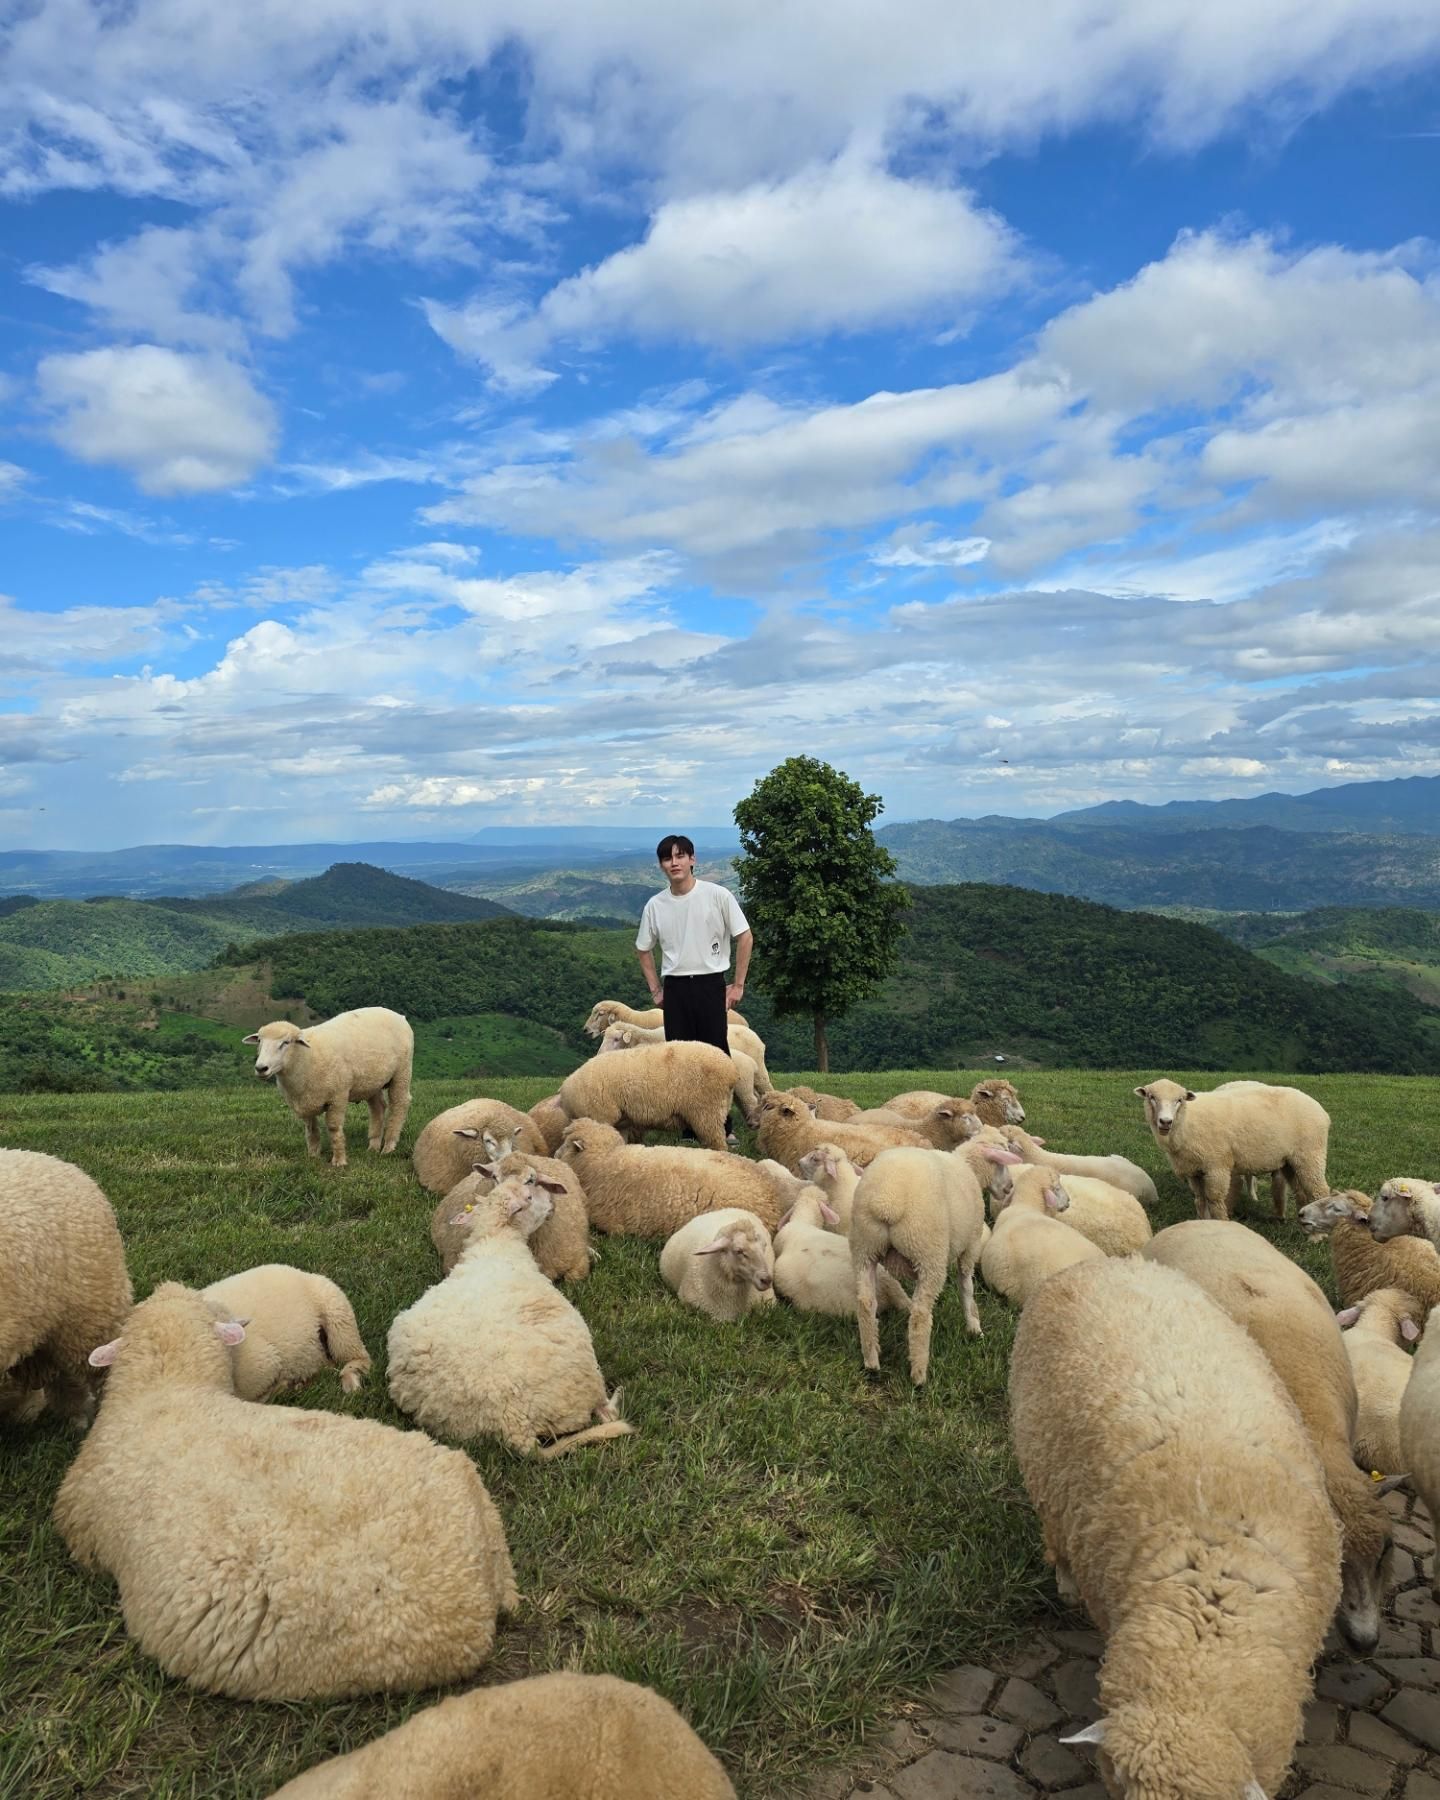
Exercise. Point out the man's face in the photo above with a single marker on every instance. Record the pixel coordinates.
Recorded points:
(677, 865)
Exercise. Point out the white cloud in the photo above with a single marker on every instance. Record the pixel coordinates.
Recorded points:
(12, 480)
(141, 286)
(180, 424)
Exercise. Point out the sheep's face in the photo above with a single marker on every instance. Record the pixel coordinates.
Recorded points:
(744, 1256)
(525, 1200)
(1164, 1103)
(1321, 1216)
(276, 1048)
(602, 1016)
(997, 1101)
(1393, 1214)
(777, 1105)
(617, 1037)
(820, 1164)
(1363, 1579)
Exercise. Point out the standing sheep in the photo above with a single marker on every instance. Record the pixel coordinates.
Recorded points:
(746, 1072)
(649, 1087)
(1375, 1333)
(561, 1246)
(1420, 1432)
(360, 1055)
(269, 1553)
(745, 1046)
(1246, 1128)
(64, 1286)
(1361, 1265)
(1181, 1498)
(641, 1190)
(453, 1142)
(296, 1324)
(721, 1263)
(551, 1737)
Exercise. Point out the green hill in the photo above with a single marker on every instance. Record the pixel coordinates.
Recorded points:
(1395, 948)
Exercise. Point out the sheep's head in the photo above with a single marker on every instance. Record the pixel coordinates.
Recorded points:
(1394, 1306)
(1164, 1102)
(1321, 1216)
(617, 1037)
(488, 1145)
(1396, 1212)
(524, 1200)
(809, 1207)
(275, 1045)
(997, 1102)
(586, 1137)
(822, 1163)
(744, 1253)
(602, 1015)
(780, 1104)
(1146, 1751)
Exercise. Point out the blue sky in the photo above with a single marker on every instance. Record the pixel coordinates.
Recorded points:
(414, 419)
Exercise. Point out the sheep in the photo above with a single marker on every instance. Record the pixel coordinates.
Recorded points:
(641, 1190)
(1112, 1219)
(721, 1263)
(928, 1208)
(561, 1246)
(493, 1349)
(297, 1324)
(64, 1286)
(1362, 1265)
(1420, 1431)
(452, 1143)
(360, 1055)
(1119, 1171)
(744, 1087)
(1028, 1243)
(948, 1125)
(651, 1086)
(1374, 1334)
(1285, 1313)
(812, 1262)
(549, 1737)
(1406, 1207)
(831, 1107)
(914, 1103)
(787, 1129)
(1181, 1499)
(270, 1553)
(550, 1118)
(605, 1013)
(831, 1170)
(997, 1102)
(1246, 1128)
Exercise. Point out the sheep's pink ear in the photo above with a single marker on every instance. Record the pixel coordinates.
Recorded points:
(715, 1248)
(832, 1165)
(230, 1331)
(550, 1185)
(993, 1153)
(103, 1355)
(1141, 1093)
(1053, 1197)
(466, 1131)
(828, 1213)
(254, 1038)
(1409, 1330)
(491, 1170)
(1347, 1316)
(785, 1218)
(944, 1112)
(1035, 1140)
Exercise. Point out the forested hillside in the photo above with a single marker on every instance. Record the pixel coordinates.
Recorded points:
(1385, 947)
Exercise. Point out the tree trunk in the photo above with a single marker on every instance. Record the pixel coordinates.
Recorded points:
(822, 1048)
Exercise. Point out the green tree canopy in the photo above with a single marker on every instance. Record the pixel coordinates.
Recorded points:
(817, 891)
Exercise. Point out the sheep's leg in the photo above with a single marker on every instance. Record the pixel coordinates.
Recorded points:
(1307, 1175)
(710, 1134)
(335, 1124)
(967, 1297)
(867, 1308)
(1197, 1188)
(398, 1094)
(1215, 1185)
(922, 1313)
(312, 1134)
(1277, 1193)
(377, 1122)
(890, 1291)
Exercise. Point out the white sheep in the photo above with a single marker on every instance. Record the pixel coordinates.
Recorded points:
(550, 1118)
(561, 1246)
(1420, 1431)
(721, 1263)
(746, 1047)
(605, 1013)
(744, 1086)
(1028, 1242)
(787, 1129)
(1406, 1207)
(1246, 1128)
(63, 1285)
(1180, 1497)
(494, 1349)
(812, 1262)
(651, 1086)
(362, 1055)
(920, 1210)
(914, 1103)
(997, 1101)
(644, 1190)
(453, 1142)
(1111, 1218)
(828, 1168)
(1375, 1333)
(550, 1737)
(270, 1553)
(834, 1107)
(1119, 1171)
(1282, 1309)
(297, 1324)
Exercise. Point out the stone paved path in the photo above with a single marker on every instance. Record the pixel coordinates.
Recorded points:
(1371, 1733)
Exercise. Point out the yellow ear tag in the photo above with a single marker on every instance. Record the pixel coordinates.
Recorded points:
(469, 1206)
(1375, 1475)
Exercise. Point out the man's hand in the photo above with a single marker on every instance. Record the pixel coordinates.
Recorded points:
(734, 994)
(658, 995)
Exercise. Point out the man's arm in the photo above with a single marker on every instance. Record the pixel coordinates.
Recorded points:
(735, 993)
(646, 960)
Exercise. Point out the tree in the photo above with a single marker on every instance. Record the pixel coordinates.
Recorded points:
(815, 887)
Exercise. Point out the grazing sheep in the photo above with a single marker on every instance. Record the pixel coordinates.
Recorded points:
(926, 1208)
(270, 1553)
(651, 1086)
(1119, 1171)
(1108, 1216)
(1245, 1128)
(787, 1129)
(1285, 1313)
(997, 1102)
(828, 1168)
(1361, 1265)
(453, 1142)
(63, 1285)
(1028, 1243)
(362, 1055)
(1420, 1431)
(296, 1325)
(641, 1190)
(722, 1263)
(493, 1349)
(550, 1118)
(744, 1087)
(551, 1737)
(1374, 1336)
(1181, 1499)
(812, 1262)
(1406, 1207)
(605, 1013)
(561, 1246)
(831, 1107)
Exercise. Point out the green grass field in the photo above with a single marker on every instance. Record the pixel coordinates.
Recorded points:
(784, 1549)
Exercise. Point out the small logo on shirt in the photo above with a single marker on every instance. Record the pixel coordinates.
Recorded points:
(714, 946)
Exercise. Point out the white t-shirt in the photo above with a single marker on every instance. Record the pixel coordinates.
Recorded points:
(694, 930)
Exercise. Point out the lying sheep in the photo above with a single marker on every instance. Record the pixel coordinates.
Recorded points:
(744, 1086)
(493, 1349)
(914, 1103)
(362, 1055)
(928, 1209)
(1113, 1220)
(651, 1086)
(812, 1262)
(561, 1246)
(1246, 1128)
(721, 1263)
(270, 1553)
(453, 1142)
(1375, 1333)
(1285, 1313)
(1180, 1497)
(787, 1129)
(946, 1126)
(296, 1325)
(550, 1118)
(641, 1190)
(1420, 1430)
(1029, 1242)
(1119, 1171)
(1406, 1207)
(831, 1107)
(831, 1170)
(1362, 1265)
(550, 1737)
(997, 1102)
(64, 1286)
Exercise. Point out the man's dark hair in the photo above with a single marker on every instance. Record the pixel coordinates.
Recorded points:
(675, 841)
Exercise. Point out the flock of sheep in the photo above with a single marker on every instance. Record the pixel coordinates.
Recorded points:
(1194, 1427)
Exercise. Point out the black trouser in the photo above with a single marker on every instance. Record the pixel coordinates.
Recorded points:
(695, 1010)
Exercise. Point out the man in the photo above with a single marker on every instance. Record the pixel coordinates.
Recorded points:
(694, 923)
